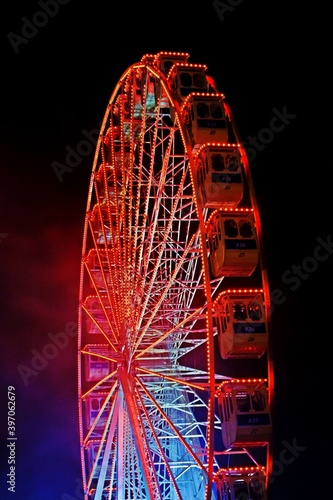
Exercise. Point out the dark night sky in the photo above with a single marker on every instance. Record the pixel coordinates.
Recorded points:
(264, 57)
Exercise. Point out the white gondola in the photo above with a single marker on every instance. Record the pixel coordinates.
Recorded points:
(131, 127)
(112, 136)
(136, 95)
(219, 173)
(165, 60)
(240, 320)
(99, 264)
(241, 483)
(97, 410)
(95, 459)
(232, 242)
(91, 450)
(244, 412)
(149, 95)
(186, 78)
(108, 183)
(100, 322)
(103, 220)
(98, 367)
(204, 116)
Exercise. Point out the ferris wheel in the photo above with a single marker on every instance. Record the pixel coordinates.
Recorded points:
(172, 285)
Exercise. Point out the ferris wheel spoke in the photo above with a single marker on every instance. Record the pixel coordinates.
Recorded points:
(186, 432)
(167, 288)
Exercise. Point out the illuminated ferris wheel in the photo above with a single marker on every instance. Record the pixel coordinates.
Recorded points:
(172, 285)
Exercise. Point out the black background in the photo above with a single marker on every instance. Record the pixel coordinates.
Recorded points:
(264, 56)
